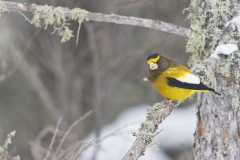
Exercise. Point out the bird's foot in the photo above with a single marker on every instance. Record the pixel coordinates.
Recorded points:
(168, 101)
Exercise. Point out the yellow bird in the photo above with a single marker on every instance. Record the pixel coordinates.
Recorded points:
(172, 80)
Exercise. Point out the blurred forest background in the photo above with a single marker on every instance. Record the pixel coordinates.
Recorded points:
(43, 79)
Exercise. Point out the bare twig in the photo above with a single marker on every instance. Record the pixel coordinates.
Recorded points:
(96, 75)
(96, 80)
(113, 18)
(70, 129)
(26, 18)
(53, 139)
(141, 22)
(79, 27)
(32, 74)
(37, 149)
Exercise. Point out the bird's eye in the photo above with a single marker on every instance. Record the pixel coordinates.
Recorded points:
(153, 66)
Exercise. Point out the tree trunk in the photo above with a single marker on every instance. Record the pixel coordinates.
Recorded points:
(217, 134)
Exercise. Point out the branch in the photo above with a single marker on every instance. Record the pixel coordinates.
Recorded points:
(156, 114)
(113, 18)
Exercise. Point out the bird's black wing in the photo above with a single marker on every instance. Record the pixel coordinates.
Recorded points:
(176, 83)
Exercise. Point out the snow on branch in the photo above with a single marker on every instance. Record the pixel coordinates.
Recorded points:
(224, 49)
(235, 21)
(64, 14)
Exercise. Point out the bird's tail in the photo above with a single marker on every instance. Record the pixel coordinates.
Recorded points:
(207, 89)
(211, 90)
(217, 93)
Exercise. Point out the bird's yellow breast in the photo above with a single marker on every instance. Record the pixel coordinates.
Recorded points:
(170, 92)
(160, 83)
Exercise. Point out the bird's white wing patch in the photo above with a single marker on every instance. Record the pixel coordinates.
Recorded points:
(189, 78)
(145, 79)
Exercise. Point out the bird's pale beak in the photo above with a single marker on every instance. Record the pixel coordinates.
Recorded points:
(153, 66)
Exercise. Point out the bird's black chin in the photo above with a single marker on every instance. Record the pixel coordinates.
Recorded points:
(153, 73)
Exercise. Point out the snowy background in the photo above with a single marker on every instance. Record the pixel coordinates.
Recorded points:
(177, 134)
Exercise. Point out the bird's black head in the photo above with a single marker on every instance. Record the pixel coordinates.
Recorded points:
(157, 63)
(153, 57)
(153, 60)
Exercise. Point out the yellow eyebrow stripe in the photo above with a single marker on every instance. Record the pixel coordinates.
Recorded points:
(153, 60)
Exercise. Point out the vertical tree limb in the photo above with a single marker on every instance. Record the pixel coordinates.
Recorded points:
(217, 133)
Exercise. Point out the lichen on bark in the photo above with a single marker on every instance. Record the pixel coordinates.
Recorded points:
(217, 133)
(59, 18)
(3, 8)
(208, 20)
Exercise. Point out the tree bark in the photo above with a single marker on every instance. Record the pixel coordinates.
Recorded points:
(217, 134)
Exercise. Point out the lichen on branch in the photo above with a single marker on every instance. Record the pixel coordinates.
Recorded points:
(197, 36)
(207, 26)
(3, 8)
(4, 154)
(79, 15)
(148, 130)
(59, 18)
(206, 74)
